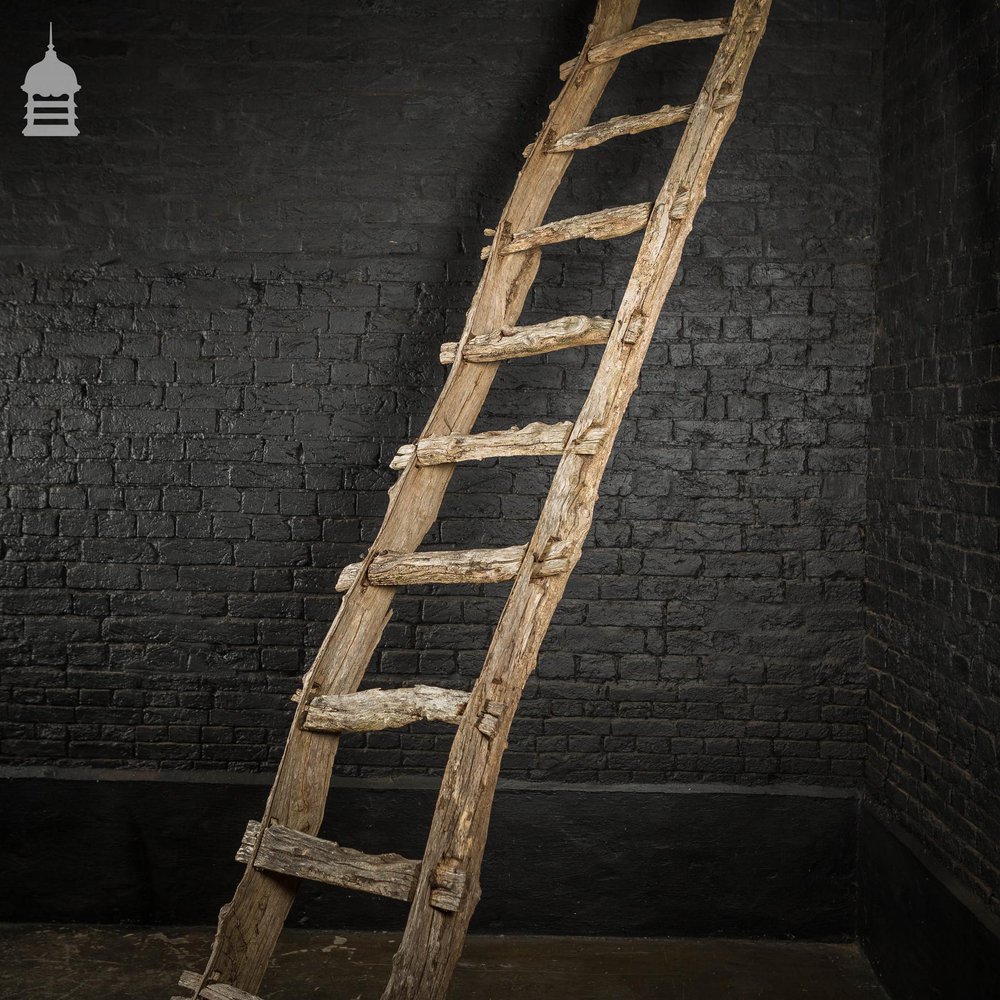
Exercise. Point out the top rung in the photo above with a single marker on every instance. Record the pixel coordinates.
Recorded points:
(654, 33)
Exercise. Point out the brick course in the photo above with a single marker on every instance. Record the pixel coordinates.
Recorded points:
(934, 499)
(220, 312)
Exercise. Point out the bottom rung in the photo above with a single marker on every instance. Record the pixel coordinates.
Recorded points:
(211, 991)
(291, 852)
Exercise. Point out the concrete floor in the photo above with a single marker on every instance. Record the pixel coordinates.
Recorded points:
(112, 963)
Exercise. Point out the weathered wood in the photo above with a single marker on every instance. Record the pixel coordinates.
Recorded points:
(489, 721)
(289, 852)
(212, 991)
(447, 885)
(535, 439)
(525, 341)
(374, 710)
(400, 569)
(432, 941)
(249, 926)
(606, 224)
(594, 135)
(654, 33)
(558, 555)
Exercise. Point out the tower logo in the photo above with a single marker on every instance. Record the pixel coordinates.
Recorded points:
(51, 88)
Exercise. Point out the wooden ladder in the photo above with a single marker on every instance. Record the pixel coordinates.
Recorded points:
(443, 888)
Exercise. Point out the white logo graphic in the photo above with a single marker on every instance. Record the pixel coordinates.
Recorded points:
(51, 86)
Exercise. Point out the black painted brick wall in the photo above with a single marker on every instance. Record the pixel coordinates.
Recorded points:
(934, 498)
(221, 309)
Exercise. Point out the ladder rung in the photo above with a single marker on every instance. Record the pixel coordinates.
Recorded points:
(211, 991)
(397, 569)
(655, 33)
(374, 710)
(594, 135)
(525, 341)
(603, 225)
(535, 439)
(290, 852)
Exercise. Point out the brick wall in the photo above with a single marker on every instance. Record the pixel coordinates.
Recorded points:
(934, 500)
(219, 316)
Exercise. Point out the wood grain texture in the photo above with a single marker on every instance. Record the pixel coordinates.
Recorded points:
(535, 439)
(375, 710)
(432, 941)
(289, 852)
(526, 341)
(213, 991)
(447, 885)
(654, 33)
(250, 924)
(606, 224)
(594, 135)
(399, 569)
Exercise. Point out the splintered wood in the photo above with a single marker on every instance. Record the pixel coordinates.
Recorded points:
(398, 569)
(655, 33)
(443, 886)
(526, 341)
(375, 710)
(535, 439)
(603, 225)
(594, 135)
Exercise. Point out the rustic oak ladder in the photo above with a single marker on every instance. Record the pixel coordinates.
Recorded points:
(443, 888)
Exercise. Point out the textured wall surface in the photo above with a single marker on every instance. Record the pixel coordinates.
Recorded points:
(219, 316)
(933, 487)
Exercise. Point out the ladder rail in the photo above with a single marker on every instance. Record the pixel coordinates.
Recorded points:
(250, 924)
(446, 882)
(432, 940)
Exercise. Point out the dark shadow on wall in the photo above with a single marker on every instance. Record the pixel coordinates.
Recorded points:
(714, 861)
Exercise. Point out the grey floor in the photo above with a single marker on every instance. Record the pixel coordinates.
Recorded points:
(110, 963)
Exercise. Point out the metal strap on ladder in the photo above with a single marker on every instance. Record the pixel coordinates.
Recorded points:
(443, 887)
